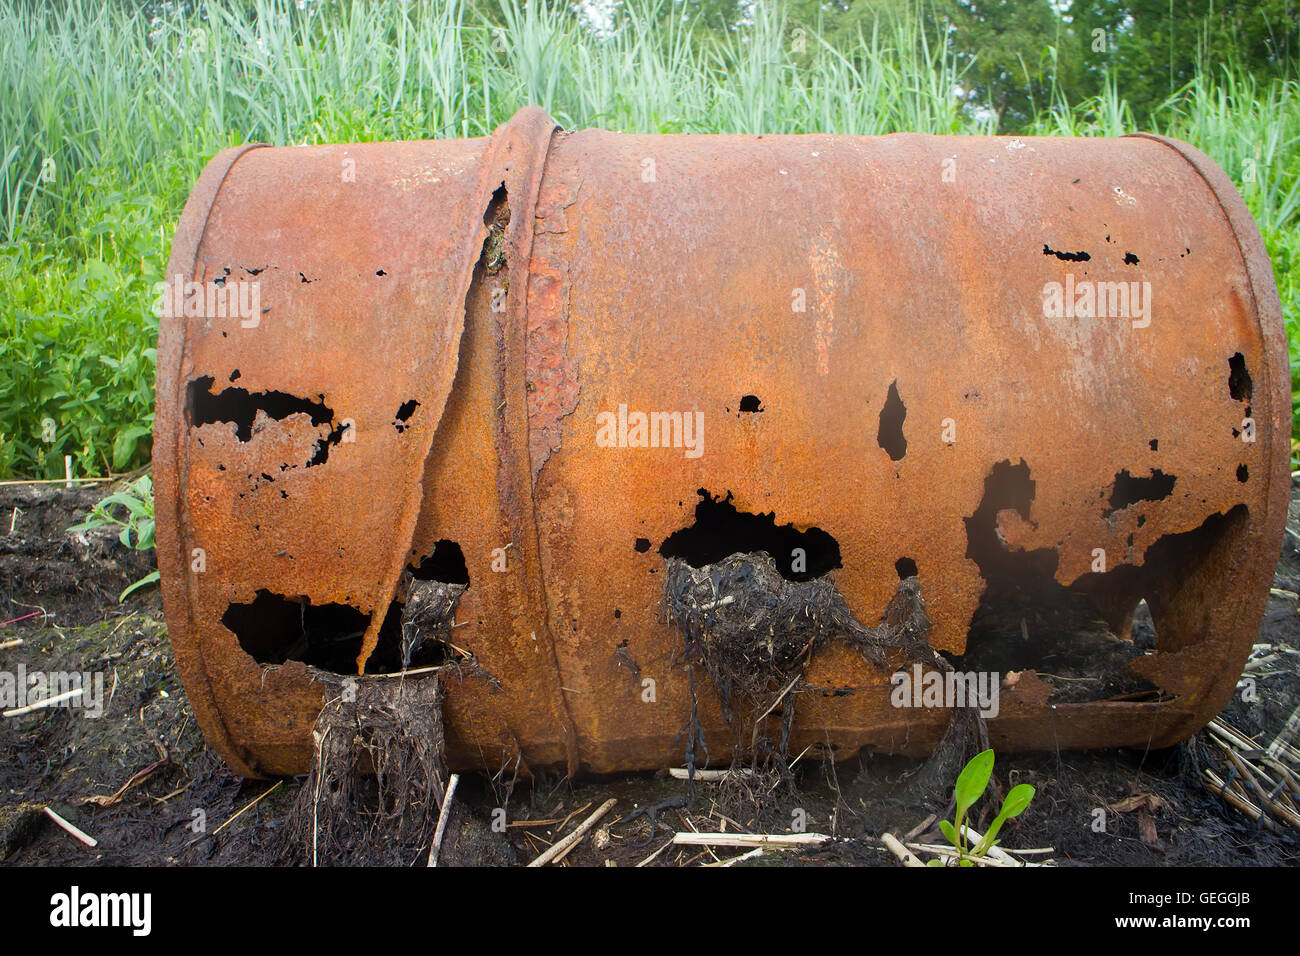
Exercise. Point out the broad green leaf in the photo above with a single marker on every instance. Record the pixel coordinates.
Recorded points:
(151, 578)
(972, 781)
(949, 833)
(1017, 800)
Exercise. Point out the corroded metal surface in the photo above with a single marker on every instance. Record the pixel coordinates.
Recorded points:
(862, 333)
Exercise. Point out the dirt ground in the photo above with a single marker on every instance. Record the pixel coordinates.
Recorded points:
(141, 780)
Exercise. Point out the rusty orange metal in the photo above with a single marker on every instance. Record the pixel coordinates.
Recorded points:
(885, 338)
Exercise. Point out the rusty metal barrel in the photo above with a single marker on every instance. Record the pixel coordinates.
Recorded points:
(1046, 379)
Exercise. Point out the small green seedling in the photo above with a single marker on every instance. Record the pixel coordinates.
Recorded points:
(971, 784)
(137, 525)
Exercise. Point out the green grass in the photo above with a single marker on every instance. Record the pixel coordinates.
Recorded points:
(106, 120)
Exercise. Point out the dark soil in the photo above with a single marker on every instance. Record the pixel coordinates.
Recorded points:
(184, 807)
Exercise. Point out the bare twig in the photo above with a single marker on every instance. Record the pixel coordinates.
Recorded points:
(55, 481)
(751, 839)
(904, 855)
(47, 702)
(83, 837)
(443, 813)
(1237, 799)
(917, 830)
(756, 852)
(563, 846)
(137, 777)
(708, 776)
(248, 807)
(952, 853)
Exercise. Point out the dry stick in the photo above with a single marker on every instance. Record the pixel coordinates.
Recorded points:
(753, 742)
(1283, 772)
(756, 852)
(16, 642)
(707, 776)
(413, 672)
(315, 801)
(917, 830)
(443, 814)
(47, 702)
(1237, 800)
(996, 852)
(136, 777)
(751, 839)
(83, 837)
(891, 843)
(726, 819)
(1226, 743)
(535, 823)
(564, 851)
(648, 860)
(1238, 739)
(1284, 735)
(951, 853)
(582, 809)
(250, 806)
(1265, 800)
(55, 481)
(694, 829)
(563, 845)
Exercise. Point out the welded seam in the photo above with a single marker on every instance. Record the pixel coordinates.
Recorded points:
(571, 736)
(515, 329)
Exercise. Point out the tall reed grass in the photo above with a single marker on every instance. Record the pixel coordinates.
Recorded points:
(107, 116)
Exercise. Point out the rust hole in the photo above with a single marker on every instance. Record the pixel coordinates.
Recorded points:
(720, 531)
(323, 445)
(1066, 256)
(239, 407)
(1081, 638)
(274, 629)
(890, 434)
(446, 563)
(1026, 619)
(1129, 489)
(750, 403)
(906, 568)
(404, 413)
(1240, 386)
